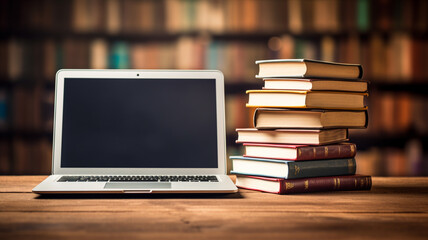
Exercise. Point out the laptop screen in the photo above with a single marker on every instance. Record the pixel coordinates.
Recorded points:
(139, 123)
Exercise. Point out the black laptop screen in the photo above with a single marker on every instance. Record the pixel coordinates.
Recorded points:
(150, 123)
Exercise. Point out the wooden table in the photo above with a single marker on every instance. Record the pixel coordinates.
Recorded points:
(396, 208)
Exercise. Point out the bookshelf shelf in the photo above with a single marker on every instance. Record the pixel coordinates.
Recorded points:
(233, 87)
(30, 134)
(131, 37)
(413, 86)
(26, 82)
(387, 141)
(239, 86)
(172, 36)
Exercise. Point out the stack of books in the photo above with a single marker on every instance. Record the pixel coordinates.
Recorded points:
(299, 140)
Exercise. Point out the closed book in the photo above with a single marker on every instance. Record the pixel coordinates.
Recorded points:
(307, 99)
(273, 118)
(315, 84)
(292, 169)
(305, 68)
(299, 152)
(292, 136)
(304, 185)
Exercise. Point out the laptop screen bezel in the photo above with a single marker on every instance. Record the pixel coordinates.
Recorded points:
(141, 75)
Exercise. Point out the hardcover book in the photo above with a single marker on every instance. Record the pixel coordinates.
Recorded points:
(272, 118)
(292, 136)
(292, 169)
(305, 68)
(299, 152)
(306, 99)
(315, 84)
(304, 185)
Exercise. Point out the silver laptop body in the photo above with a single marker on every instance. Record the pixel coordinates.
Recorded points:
(138, 131)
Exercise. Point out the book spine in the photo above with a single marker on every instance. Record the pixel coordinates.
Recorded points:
(360, 75)
(256, 113)
(332, 167)
(367, 118)
(319, 184)
(326, 152)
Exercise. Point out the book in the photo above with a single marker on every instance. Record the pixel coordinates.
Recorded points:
(98, 54)
(306, 99)
(265, 167)
(272, 118)
(299, 152)
(305, 68)
(315, 84)
(292, 136)
(3, 110)
(303, 185)
(119, 55)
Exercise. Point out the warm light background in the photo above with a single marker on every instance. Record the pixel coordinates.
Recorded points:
(388, 37)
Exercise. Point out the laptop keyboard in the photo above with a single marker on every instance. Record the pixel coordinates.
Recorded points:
(138, 179)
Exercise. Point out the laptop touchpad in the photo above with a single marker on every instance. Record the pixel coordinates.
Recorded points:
(136, 185)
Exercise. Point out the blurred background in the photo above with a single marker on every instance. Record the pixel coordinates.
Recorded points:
(388, 37)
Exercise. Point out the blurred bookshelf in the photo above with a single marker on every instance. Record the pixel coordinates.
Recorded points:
(388, 37)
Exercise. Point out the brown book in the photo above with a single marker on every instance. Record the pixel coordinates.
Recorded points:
(299, 152)
(292, 136)
(274, 118)
(295, 16)
(305, 68)
(4, 54)
(80, 16)
(250, 18)
(113, 21)
(98, 54)
(5, 163)
(49, 60)
(146, 14)
(383, 10)
(417, 63)
(304, 185)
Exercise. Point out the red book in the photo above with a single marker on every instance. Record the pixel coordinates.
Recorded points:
(300, 152)
(304, 185)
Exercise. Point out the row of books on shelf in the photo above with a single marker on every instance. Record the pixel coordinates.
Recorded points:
(299, 140)
(25, 156)
(411, 160)
(26, 110)
(356, 15)
(395, 113)
(218, 16)
(398, 58)
(41, 59)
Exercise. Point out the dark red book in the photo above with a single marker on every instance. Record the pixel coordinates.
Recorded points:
(304, 185)
(300, 152)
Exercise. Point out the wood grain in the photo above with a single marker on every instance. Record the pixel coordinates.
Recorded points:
(396, 208)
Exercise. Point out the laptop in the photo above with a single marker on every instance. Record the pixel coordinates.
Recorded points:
(138, 131)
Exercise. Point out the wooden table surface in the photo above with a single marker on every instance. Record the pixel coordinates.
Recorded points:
(395, 208)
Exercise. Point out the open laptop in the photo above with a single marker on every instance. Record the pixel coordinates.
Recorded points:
(138, 131)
